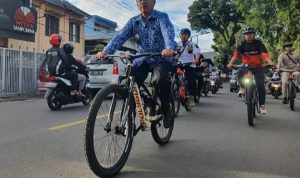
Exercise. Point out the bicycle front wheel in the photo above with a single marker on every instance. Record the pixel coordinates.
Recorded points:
(107, 143)
(292, 95)
(176, 98)
(250, 105)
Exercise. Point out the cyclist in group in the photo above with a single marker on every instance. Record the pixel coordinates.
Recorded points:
(190, 55)
(254, 53)
(153, 32)
(288, 60)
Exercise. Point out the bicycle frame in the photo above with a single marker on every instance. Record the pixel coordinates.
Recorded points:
(138, 97)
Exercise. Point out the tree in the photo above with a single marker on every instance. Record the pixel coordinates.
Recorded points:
(99, 47)
(222, 18)
(275, 20)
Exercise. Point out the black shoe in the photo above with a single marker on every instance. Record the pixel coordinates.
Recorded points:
(196, 100)
(284, 101)
(169, 116)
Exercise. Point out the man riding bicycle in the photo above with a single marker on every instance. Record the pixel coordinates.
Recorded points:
(253, 52)
(288, 60)
(190, 54)
(154, 33)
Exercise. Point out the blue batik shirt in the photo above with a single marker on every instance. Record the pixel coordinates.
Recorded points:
(152, 36)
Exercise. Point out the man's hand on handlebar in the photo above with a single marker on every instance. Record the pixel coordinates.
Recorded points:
(168, 53)
(101, 55)
(229, 66)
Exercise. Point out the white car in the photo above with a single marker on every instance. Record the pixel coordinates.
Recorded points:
(102, 73)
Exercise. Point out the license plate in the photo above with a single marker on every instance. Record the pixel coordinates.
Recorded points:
(96, 73)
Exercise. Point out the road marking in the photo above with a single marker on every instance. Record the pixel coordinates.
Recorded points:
(71, 124)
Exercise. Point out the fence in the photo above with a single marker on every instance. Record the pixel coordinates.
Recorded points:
(19, 71)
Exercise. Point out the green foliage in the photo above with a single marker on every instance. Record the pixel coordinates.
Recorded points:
(275, 20)
(220, 16)
(99, 47)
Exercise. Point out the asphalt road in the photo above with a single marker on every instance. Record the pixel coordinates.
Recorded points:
(211, 141)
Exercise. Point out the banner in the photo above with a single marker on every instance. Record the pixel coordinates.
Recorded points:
(17, 20)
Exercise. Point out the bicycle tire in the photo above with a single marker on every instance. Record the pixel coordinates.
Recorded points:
(249, 98)
(291, 93)
(176, 97)
(158, 124)
(187, 105)
(91, 157)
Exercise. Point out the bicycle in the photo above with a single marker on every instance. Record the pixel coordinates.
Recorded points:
(180, 87)
(291, 87)
(251, 94)
(113, 110)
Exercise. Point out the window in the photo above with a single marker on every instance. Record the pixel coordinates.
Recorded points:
(74, 33)
(99, 28)
(52, 25)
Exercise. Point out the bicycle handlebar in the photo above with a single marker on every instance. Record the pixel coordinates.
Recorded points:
(243, 66)
(133, 57)
(289, 70)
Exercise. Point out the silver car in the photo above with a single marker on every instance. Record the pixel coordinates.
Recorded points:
(102, 73)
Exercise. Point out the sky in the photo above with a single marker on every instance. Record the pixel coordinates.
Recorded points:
(121, 11)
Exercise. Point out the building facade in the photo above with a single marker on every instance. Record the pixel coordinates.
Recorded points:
(49, 16)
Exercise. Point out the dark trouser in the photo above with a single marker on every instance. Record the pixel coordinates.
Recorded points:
(260, 82)
(191, 79)
(73, 77)
(160, 78)
(199, 77)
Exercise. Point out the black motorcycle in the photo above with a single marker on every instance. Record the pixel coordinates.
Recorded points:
(59, 93)
(275, 85)
(206, 83)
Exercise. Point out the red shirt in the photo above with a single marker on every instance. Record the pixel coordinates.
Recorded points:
(253, 53)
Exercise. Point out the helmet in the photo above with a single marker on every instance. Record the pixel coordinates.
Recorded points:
(249, 30)
(185, 31)
(68, 48)
(55, 39)
(288, 44)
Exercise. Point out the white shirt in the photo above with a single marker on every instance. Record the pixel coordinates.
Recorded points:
(187, 57)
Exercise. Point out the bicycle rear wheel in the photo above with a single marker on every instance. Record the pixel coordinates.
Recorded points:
(107, 144)
(250, 105)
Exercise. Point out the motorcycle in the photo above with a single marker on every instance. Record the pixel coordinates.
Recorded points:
(206, 83)
(58, 93)
(214, 84)
(275, 85)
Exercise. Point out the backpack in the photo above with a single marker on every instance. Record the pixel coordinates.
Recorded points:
(54, 63)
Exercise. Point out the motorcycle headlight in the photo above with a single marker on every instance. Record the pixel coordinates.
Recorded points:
(275, 85)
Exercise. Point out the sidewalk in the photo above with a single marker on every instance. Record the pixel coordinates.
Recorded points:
(11, 98)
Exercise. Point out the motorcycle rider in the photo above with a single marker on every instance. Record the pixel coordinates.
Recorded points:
(58, 65)
(288, 60)
(190, 53)
(154, 33)
(253, 52)
(80, 68)
(202, 65)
